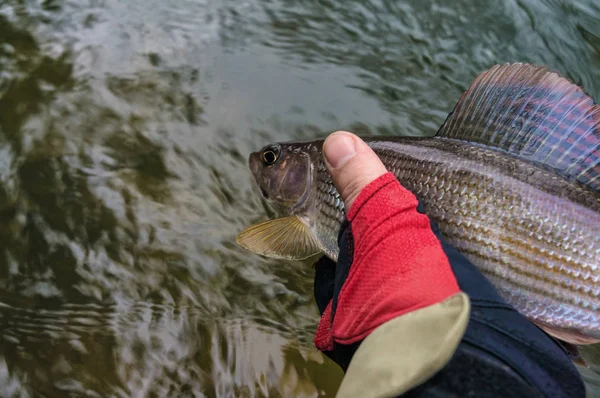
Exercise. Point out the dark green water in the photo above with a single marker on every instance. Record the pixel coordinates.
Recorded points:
(124, 132)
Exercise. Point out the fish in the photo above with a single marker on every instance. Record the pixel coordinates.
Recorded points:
(511, 179)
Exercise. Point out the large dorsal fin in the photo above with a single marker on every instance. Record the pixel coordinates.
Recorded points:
(534, 114)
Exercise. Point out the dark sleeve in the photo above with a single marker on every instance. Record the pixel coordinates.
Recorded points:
(502, 354)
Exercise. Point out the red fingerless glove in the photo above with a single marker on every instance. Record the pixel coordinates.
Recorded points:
(396, 265)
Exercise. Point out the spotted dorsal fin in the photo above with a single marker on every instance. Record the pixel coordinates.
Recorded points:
(534, 114)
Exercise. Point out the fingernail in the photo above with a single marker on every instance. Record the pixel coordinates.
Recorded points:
(338, 149)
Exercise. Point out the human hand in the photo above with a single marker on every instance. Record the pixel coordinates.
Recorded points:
(390, 262)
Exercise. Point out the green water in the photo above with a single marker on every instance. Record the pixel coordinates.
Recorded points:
(124, 132)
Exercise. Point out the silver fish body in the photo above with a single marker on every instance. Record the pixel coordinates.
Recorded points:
(512, 180)
(536, 237)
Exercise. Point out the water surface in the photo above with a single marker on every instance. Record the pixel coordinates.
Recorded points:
(124, 132)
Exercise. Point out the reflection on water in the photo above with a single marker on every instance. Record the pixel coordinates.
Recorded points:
(124, 132)
(145, 349)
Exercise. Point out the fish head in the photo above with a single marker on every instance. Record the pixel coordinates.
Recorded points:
(284, 175)
(291, 176)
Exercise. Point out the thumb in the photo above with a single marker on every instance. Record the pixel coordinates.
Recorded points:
(352, 164)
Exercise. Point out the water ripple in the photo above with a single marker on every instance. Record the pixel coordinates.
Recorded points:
(125, 128)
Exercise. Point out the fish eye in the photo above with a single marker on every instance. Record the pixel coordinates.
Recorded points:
(270, 155)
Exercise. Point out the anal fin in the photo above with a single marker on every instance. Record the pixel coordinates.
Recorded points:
(576, 344)
(575, 354)
(568, 336)
(287, 238)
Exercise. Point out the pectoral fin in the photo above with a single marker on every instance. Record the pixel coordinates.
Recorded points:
(287, 238)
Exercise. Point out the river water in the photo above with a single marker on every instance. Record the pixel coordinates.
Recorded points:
(124, 132)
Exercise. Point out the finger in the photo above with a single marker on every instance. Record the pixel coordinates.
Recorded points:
(351, 163)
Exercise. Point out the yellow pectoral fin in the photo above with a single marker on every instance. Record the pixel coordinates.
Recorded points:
(286, 238)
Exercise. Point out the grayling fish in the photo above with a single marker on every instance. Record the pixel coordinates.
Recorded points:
(512, 179)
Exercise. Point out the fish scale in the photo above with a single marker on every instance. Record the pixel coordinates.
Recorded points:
(498, 247)
(333, 214)
(512, 180)
(513, 252)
